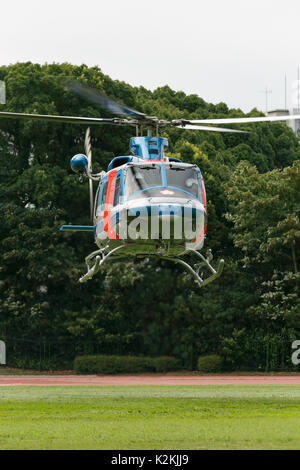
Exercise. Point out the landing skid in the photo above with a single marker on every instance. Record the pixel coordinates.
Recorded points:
(97, 258)
(196, 267)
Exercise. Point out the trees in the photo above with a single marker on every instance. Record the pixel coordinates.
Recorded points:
(264, 210)
(140, 307)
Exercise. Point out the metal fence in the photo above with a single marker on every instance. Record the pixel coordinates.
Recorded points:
(264, 354)
(47, 354)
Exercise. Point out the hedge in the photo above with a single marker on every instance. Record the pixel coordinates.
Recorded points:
(124, 364)
(210, 363)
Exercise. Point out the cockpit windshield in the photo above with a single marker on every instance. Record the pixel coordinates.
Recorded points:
(153, 180)
(142, 177)
(183, 178)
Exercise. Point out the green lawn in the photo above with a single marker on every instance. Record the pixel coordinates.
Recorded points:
(152, 417)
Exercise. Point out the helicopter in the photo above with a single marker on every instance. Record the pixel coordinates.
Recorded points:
(146, 204)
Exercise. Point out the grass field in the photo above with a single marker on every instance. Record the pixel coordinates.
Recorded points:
(152, 417)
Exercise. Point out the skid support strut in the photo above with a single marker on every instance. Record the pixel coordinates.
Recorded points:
(95, 260)
(195, 268)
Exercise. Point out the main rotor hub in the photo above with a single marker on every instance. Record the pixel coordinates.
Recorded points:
(149, 148)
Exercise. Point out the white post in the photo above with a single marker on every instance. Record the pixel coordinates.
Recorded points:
(2, 353)
(2, 92)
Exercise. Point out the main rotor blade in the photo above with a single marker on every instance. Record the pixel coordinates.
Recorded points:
(99, 99)
(49, 117)
(245, 120)
(211, 129)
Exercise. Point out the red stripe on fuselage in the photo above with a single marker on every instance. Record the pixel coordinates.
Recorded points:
(109, 230)
(201, 235)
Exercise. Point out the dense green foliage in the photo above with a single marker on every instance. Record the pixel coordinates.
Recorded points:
(105, 364)
(146, 308)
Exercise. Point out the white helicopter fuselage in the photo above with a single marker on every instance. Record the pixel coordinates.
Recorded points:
(151, 208)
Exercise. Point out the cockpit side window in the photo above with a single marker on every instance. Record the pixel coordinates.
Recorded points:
(118, 190)
(104, 194)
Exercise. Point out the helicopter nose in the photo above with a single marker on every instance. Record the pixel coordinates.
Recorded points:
(183, 221)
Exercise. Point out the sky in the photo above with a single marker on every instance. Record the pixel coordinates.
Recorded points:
(230, 51)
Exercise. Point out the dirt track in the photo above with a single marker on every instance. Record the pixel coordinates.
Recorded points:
(147, 380)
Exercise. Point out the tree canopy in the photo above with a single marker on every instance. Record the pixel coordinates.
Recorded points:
(252, 184)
